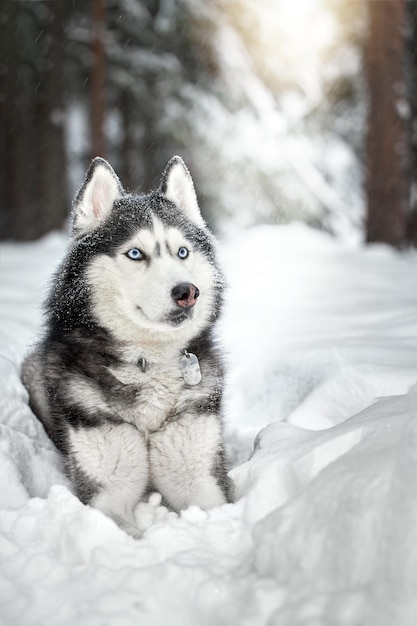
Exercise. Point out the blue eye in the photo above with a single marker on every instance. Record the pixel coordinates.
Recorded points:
(135, 254)
(183, 252)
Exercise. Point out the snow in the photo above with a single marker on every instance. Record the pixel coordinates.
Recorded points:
(322, 348)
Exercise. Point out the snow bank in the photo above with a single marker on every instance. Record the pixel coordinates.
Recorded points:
(316, 330)
(323, 530)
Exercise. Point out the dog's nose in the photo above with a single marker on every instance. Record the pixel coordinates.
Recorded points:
(185, 295)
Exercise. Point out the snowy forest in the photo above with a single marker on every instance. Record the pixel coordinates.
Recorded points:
(298, 122)
(283, 111)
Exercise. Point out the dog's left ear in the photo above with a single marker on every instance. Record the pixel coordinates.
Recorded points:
(94, 201)
(177, 185)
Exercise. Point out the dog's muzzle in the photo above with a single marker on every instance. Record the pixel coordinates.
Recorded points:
(185, 295)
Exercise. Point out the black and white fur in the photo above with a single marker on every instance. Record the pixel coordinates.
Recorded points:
(106, 380)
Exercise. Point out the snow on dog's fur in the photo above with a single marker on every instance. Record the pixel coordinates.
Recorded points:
(115, 380)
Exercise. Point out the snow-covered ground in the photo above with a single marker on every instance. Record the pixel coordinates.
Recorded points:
(322, 344)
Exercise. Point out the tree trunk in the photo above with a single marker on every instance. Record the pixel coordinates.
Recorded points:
(412, 89)
(32, 142)
(388, 176)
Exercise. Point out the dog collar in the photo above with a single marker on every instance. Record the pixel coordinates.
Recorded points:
(190, 367)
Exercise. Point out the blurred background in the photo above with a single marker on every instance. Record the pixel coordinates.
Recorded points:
(283, 110)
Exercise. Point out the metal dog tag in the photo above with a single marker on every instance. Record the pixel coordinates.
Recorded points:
(190, 368)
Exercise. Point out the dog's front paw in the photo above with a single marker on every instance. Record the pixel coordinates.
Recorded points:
(147, 513)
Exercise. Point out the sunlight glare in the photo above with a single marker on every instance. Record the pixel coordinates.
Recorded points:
(286, 39)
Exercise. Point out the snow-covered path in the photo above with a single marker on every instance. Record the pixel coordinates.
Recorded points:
(323, 530)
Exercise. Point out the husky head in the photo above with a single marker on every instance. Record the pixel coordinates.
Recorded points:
(140, 265)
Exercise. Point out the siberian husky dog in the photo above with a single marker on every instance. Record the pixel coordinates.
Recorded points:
(128, 378)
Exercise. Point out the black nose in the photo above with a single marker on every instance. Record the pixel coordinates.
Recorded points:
(185, 295)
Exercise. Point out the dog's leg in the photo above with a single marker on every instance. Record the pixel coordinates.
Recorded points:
(109, 468)
(185, 462)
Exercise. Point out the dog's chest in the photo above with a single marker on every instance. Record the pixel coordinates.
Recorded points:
(151, 395)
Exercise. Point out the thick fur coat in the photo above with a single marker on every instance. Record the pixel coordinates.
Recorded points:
(114, 380)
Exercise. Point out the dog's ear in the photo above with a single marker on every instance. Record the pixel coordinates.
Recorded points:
(177, 185)
(95, 199)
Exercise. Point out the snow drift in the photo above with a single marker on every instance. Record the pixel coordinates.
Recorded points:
(322, 431)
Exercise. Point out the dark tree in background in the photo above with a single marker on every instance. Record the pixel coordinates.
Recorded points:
(388, 153)
(411, 8)
(33, 172)
(392, 122)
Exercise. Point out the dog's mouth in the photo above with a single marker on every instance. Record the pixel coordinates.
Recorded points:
(175, 318)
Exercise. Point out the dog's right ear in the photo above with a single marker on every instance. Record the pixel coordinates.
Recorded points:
(94, 201)
(177, 185)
